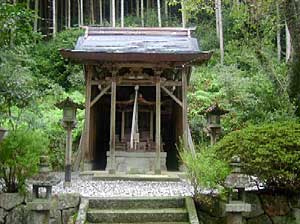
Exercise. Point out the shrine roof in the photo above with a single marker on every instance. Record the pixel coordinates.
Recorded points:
(137, 45)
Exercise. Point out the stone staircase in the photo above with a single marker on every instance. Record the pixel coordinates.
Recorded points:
(168, 210)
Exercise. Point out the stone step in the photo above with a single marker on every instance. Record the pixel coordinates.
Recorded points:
(139, 223)
(137, 215)
(137, 203)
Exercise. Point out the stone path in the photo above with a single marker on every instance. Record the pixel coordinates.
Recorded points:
(91, 188)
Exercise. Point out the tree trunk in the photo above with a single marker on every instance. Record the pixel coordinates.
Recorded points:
(69, 13)
(278, 32)
(28, 4)
(122, 13)
(288, 43)
(220, 25)
(183, 14)
(113, 12)
(101, 12)
(158, 13)
(142, 13)
(166, 12)
(217, 19)
(36, 14)
(137, 7)
(292, 9)
(92, 19)
(54, 17)
(82, 12)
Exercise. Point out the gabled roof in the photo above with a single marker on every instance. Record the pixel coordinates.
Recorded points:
(137, 45)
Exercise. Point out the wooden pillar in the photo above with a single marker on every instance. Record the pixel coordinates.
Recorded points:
(151, 125)
(123, 127)
(184, 109)
(87, 153)
(157, 128)
(122, 13)
(159, 13)
(112, 168)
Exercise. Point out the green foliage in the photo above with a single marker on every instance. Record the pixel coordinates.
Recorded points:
(16, 90)
(204, 168)
(51, 68)
(16, 25)
(270, 152)
(19, 158)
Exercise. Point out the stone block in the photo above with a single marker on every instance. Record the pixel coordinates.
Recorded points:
(238, 207)
(66, 201)
(66, 214)
(3, 213)
(211, 205)
(256, 208)
(10, 200)
(295, 201)
(17, 215)
(204, 218)
(263, 219)
(39, 205)
(296, 214)
(275, 205)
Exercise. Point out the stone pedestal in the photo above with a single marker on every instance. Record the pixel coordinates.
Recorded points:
(39, 211)
(234, 212)
(136, 162)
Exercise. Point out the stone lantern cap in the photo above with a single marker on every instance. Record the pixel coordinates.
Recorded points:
(44, 178)
(236, 179)
(68, 102)
(215, 109)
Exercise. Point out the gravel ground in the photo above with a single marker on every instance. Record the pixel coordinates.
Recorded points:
(91, 188)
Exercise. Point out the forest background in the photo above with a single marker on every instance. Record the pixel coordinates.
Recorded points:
(254, 72)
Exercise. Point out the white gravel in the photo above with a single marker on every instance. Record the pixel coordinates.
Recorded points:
(94, 188)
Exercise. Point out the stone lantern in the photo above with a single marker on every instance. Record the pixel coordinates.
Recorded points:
(237, 182)
(69, 123)
(2, 133)
(41, 202)
(214, 128)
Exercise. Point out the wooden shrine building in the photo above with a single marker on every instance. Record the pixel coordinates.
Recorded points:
(136, 96)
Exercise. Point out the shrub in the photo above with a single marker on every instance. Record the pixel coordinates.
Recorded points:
(204, 169)
(19, 158)
(270, 152)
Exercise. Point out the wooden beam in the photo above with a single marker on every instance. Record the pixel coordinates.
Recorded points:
(184, 108)
(172, 96)
(138, 82)
(100, 95)
(87, 153)
(112, 168)
(157, 129)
